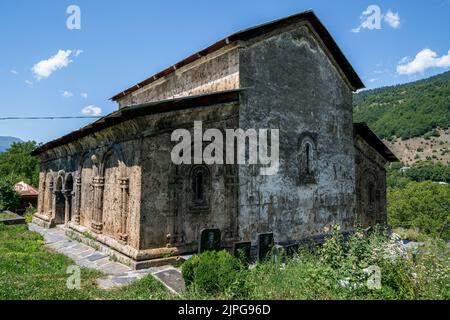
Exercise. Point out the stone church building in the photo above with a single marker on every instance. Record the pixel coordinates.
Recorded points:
(113, 184)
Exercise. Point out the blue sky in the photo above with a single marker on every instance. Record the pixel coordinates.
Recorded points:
(123, 42)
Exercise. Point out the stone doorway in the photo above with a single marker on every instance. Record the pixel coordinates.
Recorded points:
(60, 202)
(68, 189)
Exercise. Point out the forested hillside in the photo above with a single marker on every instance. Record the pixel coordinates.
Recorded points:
(408, 110)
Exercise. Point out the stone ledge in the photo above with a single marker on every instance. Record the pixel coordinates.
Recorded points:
(42, 221)
(14, 219)
(97, 242)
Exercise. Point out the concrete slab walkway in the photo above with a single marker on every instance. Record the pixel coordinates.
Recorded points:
(116, 274)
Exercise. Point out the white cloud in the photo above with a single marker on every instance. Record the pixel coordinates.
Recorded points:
(84, 95)
(424, 60)
(393, 19)
(372, 17)
(78, 52)
(373, 80)
(29, 83)
(45, 68)
(91, 111)
(14, 72)
(67, 94)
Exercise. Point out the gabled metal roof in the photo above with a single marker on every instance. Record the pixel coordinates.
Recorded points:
(144, 109)
(363, 130)
(250, 33)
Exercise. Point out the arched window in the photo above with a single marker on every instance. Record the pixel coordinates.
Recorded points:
(306, 158)
(200, 188)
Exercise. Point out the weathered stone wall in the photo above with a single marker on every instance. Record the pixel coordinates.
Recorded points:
(215, 72)
(370, 185)
(103, 169)
(136, 154)
(169, 216)
(296, 88)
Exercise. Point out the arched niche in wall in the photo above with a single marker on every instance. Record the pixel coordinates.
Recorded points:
(199, 186)
(307, 158)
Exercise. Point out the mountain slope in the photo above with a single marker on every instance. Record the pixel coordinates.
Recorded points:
(5, 142)
(408, 110)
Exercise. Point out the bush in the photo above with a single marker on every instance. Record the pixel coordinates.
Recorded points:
(9, 198)
(214, 273)
(339, 270)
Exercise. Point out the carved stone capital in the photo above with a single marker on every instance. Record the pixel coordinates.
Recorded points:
(98, 182)
(124, 183)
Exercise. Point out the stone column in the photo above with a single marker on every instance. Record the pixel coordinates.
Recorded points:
(50, 199)
(124, 200)
(41, 198)
(97, 215)
(77, 210)
(68, 205)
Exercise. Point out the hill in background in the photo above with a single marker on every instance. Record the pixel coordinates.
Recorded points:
(413, 119)
(5, 142)
(406, 111)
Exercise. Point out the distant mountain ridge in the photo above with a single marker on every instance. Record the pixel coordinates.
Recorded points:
(408, 110)
(6, 142)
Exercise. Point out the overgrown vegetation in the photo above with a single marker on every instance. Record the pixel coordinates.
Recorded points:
(406, 111)
(338, 270)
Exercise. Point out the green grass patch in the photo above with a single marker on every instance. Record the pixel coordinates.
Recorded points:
(7, 215)
(29, 271)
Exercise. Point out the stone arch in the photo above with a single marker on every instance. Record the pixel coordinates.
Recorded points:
(369, 187)
(115, 193)
(114, 151)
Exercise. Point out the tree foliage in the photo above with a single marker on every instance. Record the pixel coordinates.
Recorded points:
(398, 176)
(16, 164)
(408, 110)
(9, 198)
(422, 205)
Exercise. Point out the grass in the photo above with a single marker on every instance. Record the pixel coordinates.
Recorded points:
(335, 271)
(7, 215)
(29, 271)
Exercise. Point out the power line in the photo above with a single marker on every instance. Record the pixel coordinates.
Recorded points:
(48, 118)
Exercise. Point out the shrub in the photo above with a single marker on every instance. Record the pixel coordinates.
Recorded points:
(9, 198)
(214, 273)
